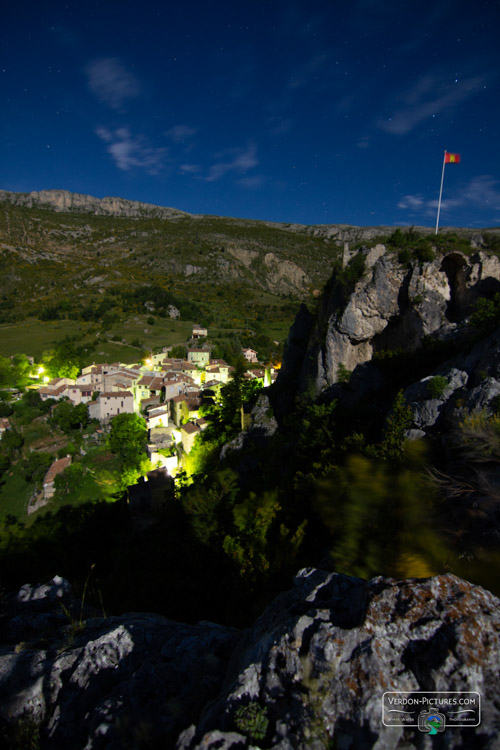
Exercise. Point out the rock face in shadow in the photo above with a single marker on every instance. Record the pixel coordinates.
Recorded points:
(312, 669)
(390, 307)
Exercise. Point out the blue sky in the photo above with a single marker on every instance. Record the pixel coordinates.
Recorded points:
(311, 112)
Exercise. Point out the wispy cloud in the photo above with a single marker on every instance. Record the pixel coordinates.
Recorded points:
(189, 168)
(111, 82)
(430, 96)
(130, 152)
(237, 160)
(181, 133)
(364, 142)
(481, 193)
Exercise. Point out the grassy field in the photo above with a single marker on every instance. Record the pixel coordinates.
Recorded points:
(33, 337)
(14, 493)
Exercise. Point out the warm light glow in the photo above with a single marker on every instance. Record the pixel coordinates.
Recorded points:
(41, 369)
(46, 379)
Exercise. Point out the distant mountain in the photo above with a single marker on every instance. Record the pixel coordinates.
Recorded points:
(63, 200)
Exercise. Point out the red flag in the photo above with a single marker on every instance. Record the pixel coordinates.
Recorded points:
(451, 158)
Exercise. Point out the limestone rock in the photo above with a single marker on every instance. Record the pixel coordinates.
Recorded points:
(473, 384)
(321, 656)
(316, 664)
(391, 307)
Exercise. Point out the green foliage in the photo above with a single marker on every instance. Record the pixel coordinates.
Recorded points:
(251, 720)
(205, 504)
(64, 361)
(178, 352)
(11, 443)
(411, 245)
(392, 447)
(36, 465)
(69, 417)
(451, 241)
(436, 386)
(382, 519)
(128, 438)
(248, 548)
(354, 270)
(68, 482)
(14, 372)
(5, 409)
(30, 407)
(486, 312)
(343, 374)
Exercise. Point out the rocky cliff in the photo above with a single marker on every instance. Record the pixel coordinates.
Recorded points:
(63, 200)
(391, 306)
(310, 673)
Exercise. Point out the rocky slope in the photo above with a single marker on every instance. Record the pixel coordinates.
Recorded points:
(309, 673)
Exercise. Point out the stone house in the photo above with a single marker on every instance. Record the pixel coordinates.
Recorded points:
(250, 355)
(199, 357)
(110, 403)
(48, 391)
(183, 408)
(189, 432)
(199, 332)
(158, 417)
(79, 394)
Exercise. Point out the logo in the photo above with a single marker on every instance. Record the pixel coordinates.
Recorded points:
(431, 712)
(431, 722)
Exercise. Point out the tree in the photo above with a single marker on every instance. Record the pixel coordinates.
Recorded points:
(178, 352)
(11, 443)
(128, 438)
(70, 417)
(69, 481)
(63, 361)
(36, 466)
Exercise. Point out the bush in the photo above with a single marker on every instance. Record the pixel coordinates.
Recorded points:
(343, 374)
(251, 720)
(436, 386)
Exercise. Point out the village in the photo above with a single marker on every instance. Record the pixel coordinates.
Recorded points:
(168, 393)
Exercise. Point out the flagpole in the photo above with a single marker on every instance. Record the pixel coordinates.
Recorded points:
(441, 191)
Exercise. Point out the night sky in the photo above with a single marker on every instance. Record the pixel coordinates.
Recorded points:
(311, 112)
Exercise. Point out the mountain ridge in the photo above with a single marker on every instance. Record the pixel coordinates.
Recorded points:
(64, 200)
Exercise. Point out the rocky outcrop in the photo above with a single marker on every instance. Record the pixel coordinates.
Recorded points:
(63, 200)
(310, 673)
(470, 382)
(392, 306)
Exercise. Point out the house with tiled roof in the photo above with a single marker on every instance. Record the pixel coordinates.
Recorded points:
(189, 433)
(250, 355)
(79, 394)
(57, 467)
